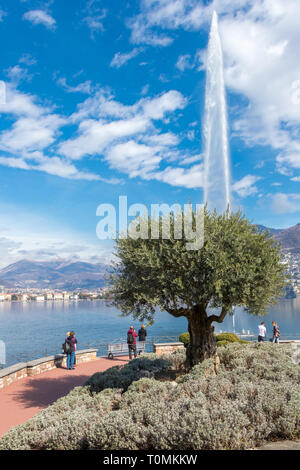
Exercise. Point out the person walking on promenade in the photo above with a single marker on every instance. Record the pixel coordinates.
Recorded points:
(142, 333)
(131, 341)
(276, 332)
(72, 341)
(262, 331)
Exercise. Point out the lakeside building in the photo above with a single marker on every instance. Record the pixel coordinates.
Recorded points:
(58, 296)
(5, 296)
(48, 296)
(74, 297)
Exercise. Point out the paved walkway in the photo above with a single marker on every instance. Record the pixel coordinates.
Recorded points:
(21, 400)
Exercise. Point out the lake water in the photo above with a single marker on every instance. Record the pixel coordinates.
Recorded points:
(36, 329)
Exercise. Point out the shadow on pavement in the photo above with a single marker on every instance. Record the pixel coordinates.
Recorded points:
(42, 391)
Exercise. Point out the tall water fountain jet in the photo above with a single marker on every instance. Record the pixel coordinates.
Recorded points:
(216, 164)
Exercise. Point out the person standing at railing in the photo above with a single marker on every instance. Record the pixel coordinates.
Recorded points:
(276, 333)
(261, 332)
(131, 341)
(142, 339)
(72, 341)
(142, 333)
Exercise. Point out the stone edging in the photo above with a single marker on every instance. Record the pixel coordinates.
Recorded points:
(166, 348)
(38, 366)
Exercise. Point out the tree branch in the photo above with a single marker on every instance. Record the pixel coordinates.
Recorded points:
(180, 312)
(220, 318)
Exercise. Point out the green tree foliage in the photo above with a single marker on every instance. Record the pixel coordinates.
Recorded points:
(223, 338)
(185, 339)
(237, 266)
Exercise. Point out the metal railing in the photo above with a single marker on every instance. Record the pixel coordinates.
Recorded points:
(102, 347)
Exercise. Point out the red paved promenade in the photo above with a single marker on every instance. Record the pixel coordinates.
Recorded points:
(21, 400)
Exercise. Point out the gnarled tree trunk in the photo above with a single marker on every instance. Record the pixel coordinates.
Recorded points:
(202, 339)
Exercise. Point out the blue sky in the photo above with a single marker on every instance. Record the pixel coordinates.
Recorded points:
(105, 98)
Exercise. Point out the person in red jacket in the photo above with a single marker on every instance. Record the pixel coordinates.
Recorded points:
(131, 341)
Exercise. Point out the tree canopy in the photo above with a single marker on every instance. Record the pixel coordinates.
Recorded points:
(237, 266)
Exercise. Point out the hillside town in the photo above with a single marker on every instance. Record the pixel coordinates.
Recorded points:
(293, 264)
(40, 295)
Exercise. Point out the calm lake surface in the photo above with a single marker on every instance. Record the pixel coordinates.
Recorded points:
(36, 329)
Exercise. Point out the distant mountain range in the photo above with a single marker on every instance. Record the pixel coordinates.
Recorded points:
(69, 275)
(65, 275)
(289, 237)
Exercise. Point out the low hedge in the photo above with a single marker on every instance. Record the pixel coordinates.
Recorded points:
(229, 337)
(122, 376)
(223, 343)
(223, 338)
(185, 339)
(254, 396)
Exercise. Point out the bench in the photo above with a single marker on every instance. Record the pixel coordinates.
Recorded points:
(121, 349)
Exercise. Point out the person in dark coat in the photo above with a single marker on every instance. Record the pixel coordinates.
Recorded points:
(142, 333)
(72, 341)
(131, 341)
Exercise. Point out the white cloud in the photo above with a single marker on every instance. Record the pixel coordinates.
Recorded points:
(165, 103)
(52, 166)
(124, 137)
(14, 163)
(96, 135)
(190, 15)
(21, 104)
(184, 62)
(34, 130)
(128, 121)
(286, 160)
(191, 135)
(188, 178)
(260, 40)
(31, 134)
(246, 186)
(27, 59)
(40, 17)
(84, 87)
(145, 89)
(94, 23)
(17, 74)
(57, 166)
(35, 126)
(93, 17)
(133, 159)
(191, 159)
(285, 203)
(120, 59)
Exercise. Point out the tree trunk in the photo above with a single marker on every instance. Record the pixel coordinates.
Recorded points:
(202, 339)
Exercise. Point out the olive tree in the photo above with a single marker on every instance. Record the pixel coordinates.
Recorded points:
(237, 266)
